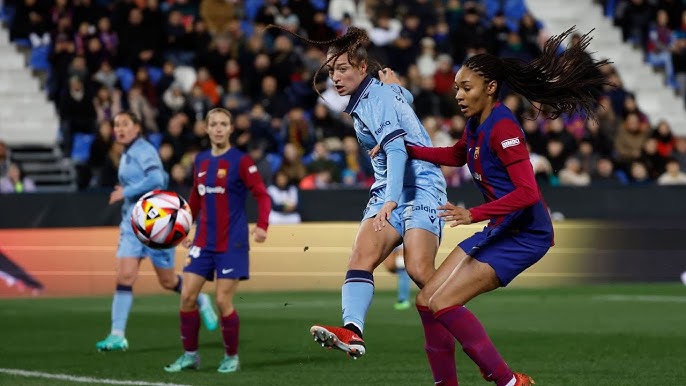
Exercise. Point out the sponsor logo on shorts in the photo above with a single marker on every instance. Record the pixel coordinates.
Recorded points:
(424, 208)
(509, 142)
(227, 271)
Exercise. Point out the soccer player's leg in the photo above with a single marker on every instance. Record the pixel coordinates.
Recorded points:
(163, 261)
(404, 281)
(231, 268)
(369, 250)
(127, 271)
(196, 271)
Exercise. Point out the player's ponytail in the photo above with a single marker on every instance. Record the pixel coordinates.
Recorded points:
(565, 82)
(353, 43)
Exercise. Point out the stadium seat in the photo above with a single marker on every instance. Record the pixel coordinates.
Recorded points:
(155, 74)
(81, 147)
(38, 60)
(126, 78)
(251, 8)
(274, 160)
(155, 139)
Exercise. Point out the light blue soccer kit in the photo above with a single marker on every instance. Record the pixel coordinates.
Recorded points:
(140, 171)
(382, 115)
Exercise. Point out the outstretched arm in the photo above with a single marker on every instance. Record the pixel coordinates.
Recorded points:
(455, 155)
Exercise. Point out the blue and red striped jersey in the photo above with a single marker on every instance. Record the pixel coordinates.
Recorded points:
(496, 154)
(220, 189)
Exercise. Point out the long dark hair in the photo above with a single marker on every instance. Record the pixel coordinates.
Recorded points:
(566, 83)
(353, 43)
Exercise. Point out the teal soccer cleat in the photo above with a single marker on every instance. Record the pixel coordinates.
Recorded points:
(230, 364)
(112, 343)
(185, 362)
(207, 314)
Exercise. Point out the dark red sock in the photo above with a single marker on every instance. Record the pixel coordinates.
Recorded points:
(467, 329)
(230, 327)
(440, 349)
(190, 329)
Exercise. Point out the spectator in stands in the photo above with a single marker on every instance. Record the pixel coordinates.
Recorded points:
(673, 174)
(629, 141)
(76, 111)
(140, 105)
(638, 174)
(105, 76)
(217, 14)
(108, 38)
(208, 85)
(197, 104)
(14, 181)
(284, 197)
(654, 162)
(292, 164)
(543, 171)
(256, 151)
(660, 41)
(107, 104)
(664, 137)
(102, 170)
(296, 129)
(530, 34)
(634, 19)
(318, 179)
(179, 180)
(4, 158)
(605, 175)
(573, 175)
(173, 102)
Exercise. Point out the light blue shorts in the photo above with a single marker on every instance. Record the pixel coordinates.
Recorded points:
(130, 246)
(416, 209)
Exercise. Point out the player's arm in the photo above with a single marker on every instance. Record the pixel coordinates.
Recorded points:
(507, 141)
(154, 177)
(382, 117)
(455, 155)
(253, 181)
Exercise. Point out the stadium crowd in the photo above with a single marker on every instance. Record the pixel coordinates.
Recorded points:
(172, 61)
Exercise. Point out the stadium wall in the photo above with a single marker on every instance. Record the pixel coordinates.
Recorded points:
(598, 203)
(81, 262)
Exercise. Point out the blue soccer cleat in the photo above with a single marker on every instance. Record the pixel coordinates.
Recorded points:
(112, 343)
(230, 364)
(207, 314)
(185, 362)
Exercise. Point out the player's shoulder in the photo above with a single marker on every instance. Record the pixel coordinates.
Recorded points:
(143, 146)
(203, 155)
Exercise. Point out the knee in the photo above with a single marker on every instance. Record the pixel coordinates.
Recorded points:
(168, 283)
(224, 304)
(126, 278)
(423, 297)
(434, 304)
(420, 273)
(362, 261)
(188, 300)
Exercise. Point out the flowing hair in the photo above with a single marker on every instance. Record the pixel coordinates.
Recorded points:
(568, 82)
(353, 43)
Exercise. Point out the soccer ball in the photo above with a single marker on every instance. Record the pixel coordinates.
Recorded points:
(161, 219)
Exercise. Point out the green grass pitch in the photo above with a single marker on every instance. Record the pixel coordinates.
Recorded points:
(588, 335)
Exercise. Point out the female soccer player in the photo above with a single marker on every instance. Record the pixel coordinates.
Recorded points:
(404, 196)
(140, 171)
(222, 177)
(493, 146)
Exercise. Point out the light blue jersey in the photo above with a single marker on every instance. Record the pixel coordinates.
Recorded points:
(140, 171)
(383, 115)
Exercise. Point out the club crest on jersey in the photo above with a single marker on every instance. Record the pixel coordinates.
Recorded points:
(509, 142)
(476, 152)
(221, 173)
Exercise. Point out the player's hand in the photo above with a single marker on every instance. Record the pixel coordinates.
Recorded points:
(388, 76)
(259, 234)
(384, 215)
(117, 194)
(457, 214)
(187, 242)
(372, 153)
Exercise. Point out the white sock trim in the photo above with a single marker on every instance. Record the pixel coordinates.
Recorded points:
(512, 382)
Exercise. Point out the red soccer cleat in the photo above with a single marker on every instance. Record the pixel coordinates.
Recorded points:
(340, 338)
(522, 379)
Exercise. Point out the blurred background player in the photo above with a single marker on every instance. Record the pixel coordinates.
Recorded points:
(395, 263)
(222, 177)
(140, 171)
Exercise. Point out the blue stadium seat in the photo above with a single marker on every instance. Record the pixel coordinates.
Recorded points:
(24, 43)
(155, 139)
(81, 147)
(38, 60)
(155, 74)
(319, 5)
(274, 160)
(247, 27)
(251, 7)
(126, 78)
